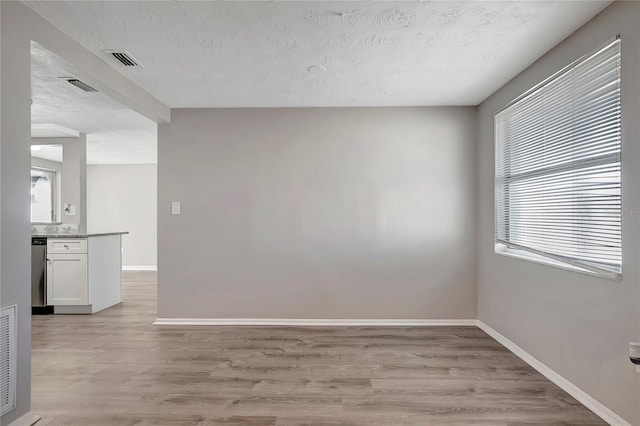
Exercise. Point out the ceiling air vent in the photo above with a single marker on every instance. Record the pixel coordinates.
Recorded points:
(81, 85)
(124, 57)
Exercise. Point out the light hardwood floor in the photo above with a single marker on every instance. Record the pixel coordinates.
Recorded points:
(115, 368)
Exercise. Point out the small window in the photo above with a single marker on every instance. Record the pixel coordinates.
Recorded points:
(43, 189)
(558, 169)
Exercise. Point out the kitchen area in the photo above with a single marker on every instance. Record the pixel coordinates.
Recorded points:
(73, 271)
(92, 190)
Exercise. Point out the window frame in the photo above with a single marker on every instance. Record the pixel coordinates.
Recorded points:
(530, 254)
(54, 198)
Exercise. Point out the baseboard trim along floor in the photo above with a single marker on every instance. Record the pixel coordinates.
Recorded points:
(317, 322)
(27, 419)
(588, 401)
(584, 398)
(139, 267)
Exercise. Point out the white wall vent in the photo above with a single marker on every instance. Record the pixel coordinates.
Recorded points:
(8, 359)
(124, 57)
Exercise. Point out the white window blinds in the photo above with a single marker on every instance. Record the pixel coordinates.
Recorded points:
(558, 166)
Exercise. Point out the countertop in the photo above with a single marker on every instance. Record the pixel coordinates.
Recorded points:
(76, 235)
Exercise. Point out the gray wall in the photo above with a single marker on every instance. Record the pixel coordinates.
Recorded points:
(123, 198)
(56, 167)
(74, 183)
(317, 213)
(74, 177)
(576, 324)
(15, 157)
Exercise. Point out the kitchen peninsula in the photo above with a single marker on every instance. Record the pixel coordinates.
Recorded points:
(83, 270)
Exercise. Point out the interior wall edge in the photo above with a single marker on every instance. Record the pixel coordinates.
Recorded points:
(576, 324)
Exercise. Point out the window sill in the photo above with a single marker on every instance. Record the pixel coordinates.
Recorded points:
(503, 250)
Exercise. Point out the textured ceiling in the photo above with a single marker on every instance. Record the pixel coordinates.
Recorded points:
(115, 134)
(309, 53)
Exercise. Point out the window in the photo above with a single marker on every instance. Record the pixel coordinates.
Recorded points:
(558, 173)
(43, 189)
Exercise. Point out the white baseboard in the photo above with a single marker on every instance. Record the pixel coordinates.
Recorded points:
(139, 267)
(585, 399)
(27, 419)
(317, 322)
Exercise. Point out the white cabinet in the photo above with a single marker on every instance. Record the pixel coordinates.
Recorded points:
(84, 274)
(67, 279)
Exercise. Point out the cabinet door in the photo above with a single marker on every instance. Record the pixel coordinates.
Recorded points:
(67, 279)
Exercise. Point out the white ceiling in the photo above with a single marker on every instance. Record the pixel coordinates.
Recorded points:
(115, 134)
(47, 152)
(257, 54)
(51, 130)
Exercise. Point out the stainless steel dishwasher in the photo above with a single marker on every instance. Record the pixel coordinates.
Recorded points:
(39, 277)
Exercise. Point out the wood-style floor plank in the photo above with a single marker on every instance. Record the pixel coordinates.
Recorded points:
(115, 368)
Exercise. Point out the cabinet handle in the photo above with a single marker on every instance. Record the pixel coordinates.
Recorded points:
(66, 246)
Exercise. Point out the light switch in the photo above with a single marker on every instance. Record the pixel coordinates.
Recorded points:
(175, 207)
